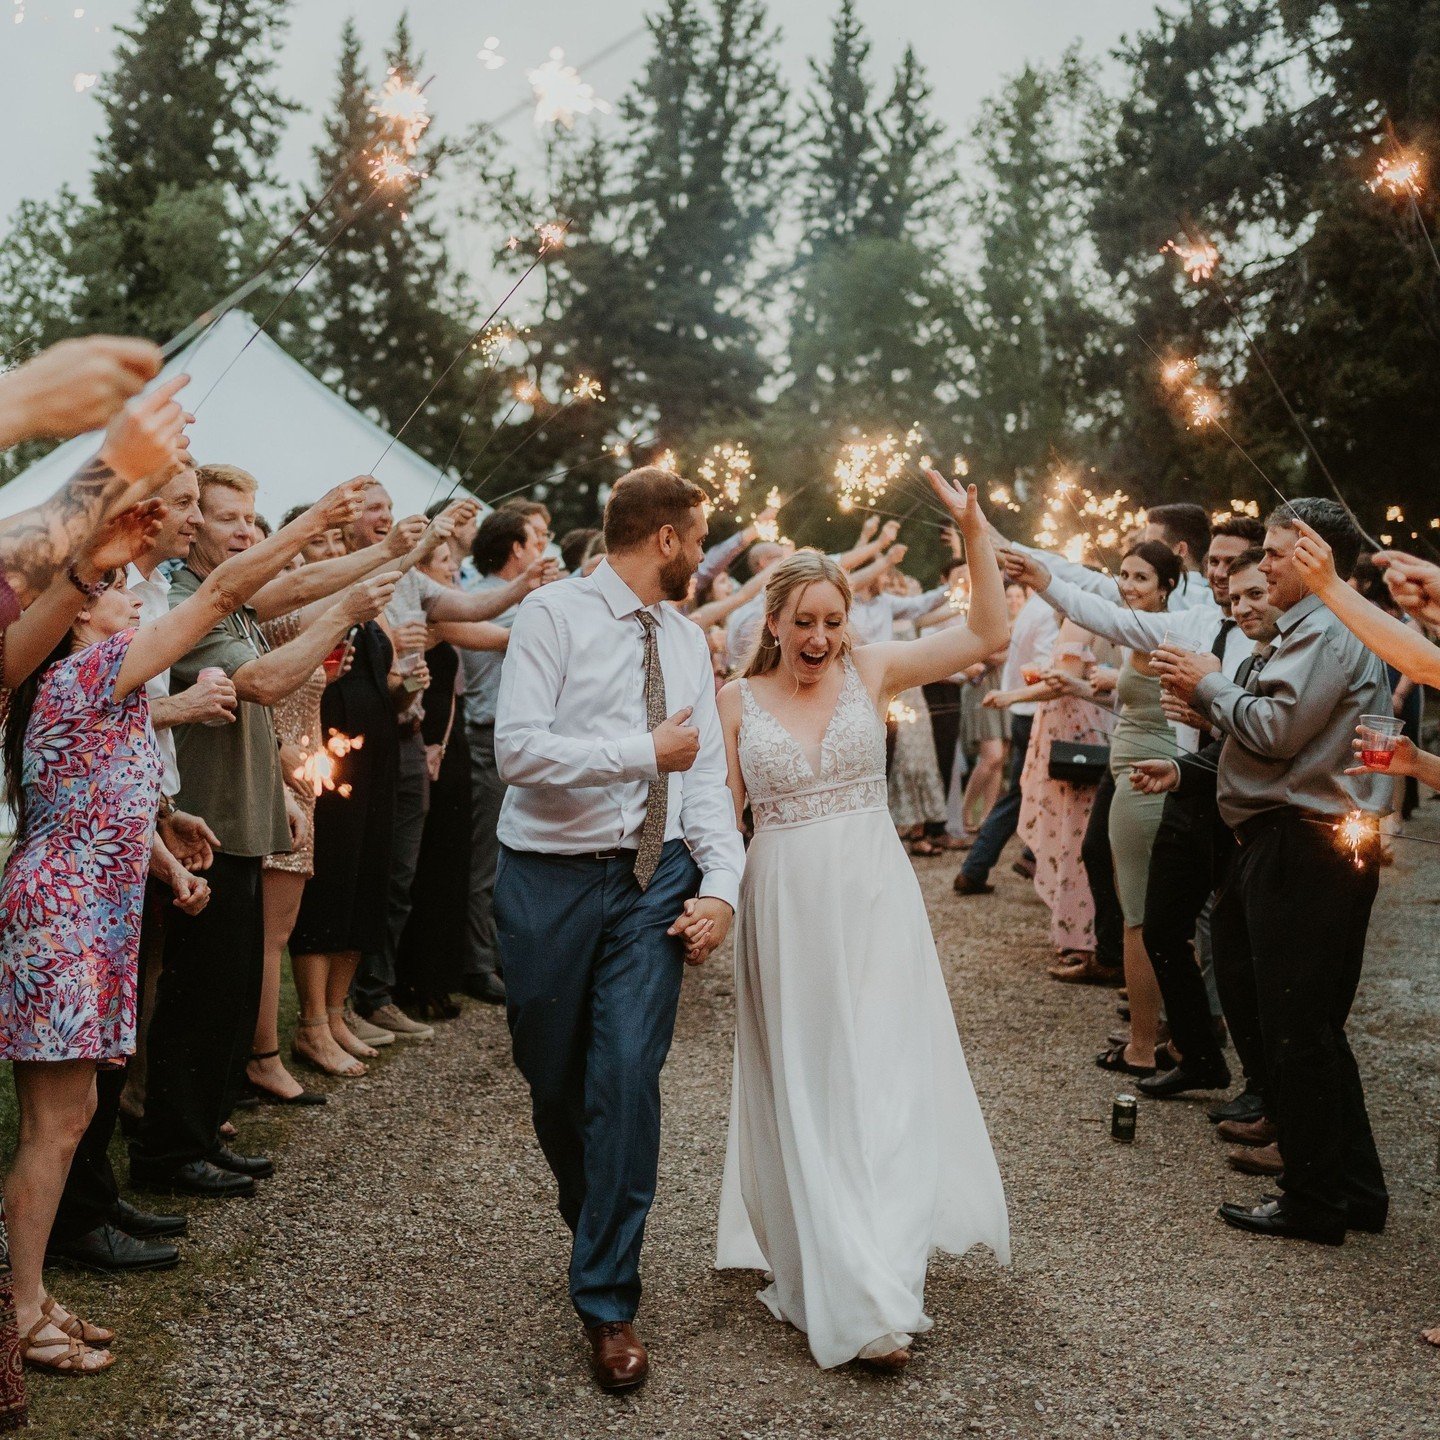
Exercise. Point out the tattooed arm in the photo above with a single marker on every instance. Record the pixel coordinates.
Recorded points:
(142, 447)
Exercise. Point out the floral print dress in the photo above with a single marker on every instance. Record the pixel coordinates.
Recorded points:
(71, 896)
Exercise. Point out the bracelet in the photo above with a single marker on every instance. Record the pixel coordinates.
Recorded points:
(90, 592)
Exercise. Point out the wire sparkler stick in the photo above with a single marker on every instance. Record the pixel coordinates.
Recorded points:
(584, 389)
(1402, 174)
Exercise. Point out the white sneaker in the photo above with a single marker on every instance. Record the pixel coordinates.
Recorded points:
(363, 1030)
(392, 1018)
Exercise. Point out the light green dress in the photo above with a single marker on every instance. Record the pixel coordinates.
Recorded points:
(1141, 733)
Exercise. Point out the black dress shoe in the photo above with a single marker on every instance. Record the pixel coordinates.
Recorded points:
(1183, 1079)
(144, 1226)
(1369, 1218)
(197, 1177)
(486, 986)
(1248, 1105)
(1271, 1217)
(112, 1251)
(258, 1167)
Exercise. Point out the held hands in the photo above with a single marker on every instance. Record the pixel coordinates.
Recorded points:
(1026, 569)
(192, 894)
(703, 924)
(74, 386)
(677, 742)
(365, 599)
(962, 502)
(147, 439)
(1154, 777)
(1182, 670)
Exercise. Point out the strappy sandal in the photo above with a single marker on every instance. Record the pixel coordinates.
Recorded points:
(96, 1336)
(70, 1362)
(300, 1057)
(371, 1053)
(267, 1096)
(1115, 1060)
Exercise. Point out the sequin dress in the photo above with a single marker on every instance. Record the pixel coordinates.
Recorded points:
(297, 722)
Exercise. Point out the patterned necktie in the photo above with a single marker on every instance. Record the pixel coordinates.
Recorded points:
(652, 832)
(1248, 677)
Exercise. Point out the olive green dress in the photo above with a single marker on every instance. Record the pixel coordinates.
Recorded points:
(1141, 733)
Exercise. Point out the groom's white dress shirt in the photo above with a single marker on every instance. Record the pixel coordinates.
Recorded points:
(571, 738)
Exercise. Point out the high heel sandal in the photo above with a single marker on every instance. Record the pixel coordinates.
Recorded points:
(352, 1072)
(267, 1096)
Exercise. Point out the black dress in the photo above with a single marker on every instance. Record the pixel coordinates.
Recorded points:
(345, 902)
(429, 963)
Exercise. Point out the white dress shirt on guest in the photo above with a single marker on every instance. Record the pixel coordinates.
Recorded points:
(873, 621)
(154, 596)
(571, 738)
(1032, 639)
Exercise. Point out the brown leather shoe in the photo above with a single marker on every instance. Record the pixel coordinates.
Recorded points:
(1247, 1132)
(1259, 1160)
(617, 1355)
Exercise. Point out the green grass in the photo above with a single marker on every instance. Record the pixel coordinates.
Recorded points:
(130, 1398)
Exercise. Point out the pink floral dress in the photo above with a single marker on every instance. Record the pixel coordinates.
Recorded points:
(72, 891)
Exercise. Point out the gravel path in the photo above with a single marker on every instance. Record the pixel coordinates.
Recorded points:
(404, 1275)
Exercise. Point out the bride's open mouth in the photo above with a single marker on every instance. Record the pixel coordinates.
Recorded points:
(813, 662)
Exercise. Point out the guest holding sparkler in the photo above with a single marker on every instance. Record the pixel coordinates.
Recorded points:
(1282, 788)
(208, 995)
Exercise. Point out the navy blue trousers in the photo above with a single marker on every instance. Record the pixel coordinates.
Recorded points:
(592, 984)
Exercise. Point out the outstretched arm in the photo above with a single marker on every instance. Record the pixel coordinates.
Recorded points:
(900, 665)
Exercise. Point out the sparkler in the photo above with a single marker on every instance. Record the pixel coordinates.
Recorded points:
(390, 167)
(1001, 496)
(727, 469)
(318, 768)
(552, 235)
(1356, 833)
(1402, 175)
(585, 390)
(867, 468)
(899, 713)
(402, 106)
(769, 530)
(561, 96)
(1198, 256)
(667, 460)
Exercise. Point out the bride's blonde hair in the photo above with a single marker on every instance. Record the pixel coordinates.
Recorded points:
(789, 577)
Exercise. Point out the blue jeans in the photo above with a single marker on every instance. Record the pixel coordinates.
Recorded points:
(1004, 817)
(592, 984)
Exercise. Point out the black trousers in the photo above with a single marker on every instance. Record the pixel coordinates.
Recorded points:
(1100, 874)
(204, 1022)
(91, 1189)
(1298, 909)
(1181, 881)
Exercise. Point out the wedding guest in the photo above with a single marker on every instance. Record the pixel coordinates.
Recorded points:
(505, 548)
(73, 386)
(573, 545)
(69, 977)
(1032, 637)
(1282, 787)
(207, 998)
(916, 791)
(1053, 811)
(616, 825)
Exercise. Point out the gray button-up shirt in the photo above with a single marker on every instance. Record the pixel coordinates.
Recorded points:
(1288, 743)
(482, 667)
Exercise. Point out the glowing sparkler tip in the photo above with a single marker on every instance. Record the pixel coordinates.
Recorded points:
(587, 387)
(390, 167)
(1177, 372)
(667, 460)
(402, 105)
(1197, 257)
(551, 234)
(1206, 407)
(1400, 174)
(1356, 833)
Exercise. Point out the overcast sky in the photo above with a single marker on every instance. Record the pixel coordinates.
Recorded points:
(967, 46)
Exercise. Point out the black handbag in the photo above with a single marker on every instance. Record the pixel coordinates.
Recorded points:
(1079, 764)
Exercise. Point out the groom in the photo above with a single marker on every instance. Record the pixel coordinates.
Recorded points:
(620, 862)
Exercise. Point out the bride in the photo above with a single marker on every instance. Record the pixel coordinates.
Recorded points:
(856, 1143)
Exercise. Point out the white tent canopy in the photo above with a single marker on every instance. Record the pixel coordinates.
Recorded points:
(269, 416)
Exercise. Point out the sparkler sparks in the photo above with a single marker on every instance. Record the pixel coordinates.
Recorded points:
(389, 167)
(667, 460)
(551, 234)
(1395, 514)
(1198, 257)
(1400, 174)
(1206, 406)
(585, 388)
(1001, 496)
(1356, 833)
(1177, 372)
(769, 530)
(900, 713)
(401, 104)
(866, 468)
(1106, 519)
(727, 469)
(561, 96)
(318, 769)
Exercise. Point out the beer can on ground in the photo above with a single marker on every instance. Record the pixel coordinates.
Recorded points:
(1122, 1119)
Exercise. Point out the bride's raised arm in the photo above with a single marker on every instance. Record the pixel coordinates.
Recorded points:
(900, 665)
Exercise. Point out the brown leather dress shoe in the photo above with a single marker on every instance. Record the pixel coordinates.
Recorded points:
(1257, 1160)
(1247, 1132)
(617, 1355)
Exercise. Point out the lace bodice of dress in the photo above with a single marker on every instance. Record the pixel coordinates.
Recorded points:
(784, 789)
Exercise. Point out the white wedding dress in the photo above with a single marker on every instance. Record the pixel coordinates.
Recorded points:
(856, 1143)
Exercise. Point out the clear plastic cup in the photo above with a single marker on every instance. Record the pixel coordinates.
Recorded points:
(1379, 735)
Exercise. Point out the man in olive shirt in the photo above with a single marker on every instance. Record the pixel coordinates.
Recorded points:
(209, 989)
(1297, 903)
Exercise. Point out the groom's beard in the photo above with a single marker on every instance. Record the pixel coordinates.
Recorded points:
(675, 579)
